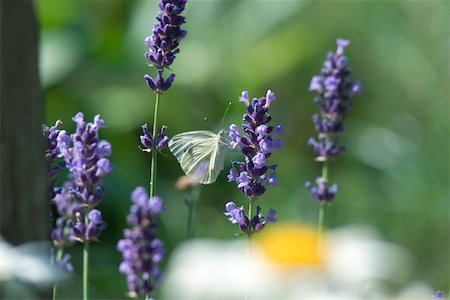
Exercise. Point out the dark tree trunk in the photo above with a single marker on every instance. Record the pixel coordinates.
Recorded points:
(24, 206)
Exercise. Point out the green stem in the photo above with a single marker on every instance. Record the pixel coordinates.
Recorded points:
(192, 206)
(85, 269)
(321, 223)
(154, 152)
(59, 254)
(249, 247)
(325, 171)
(85, 261)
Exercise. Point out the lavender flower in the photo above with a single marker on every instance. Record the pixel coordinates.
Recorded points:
(236, 215)
(86, 158)
(148, 142)
(64, 263)
(320, 191)
(257, 144)
(92, 230)
(439, 295)
(164, 41)
(51, 155)
(335, 91)
(141, 249)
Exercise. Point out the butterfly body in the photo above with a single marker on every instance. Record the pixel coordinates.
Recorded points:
(201, 154)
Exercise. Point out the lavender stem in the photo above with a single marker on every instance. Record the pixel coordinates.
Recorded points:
(154, 153)
(249, 246)
(59, 254)
(85, 269)
(191, 203)
(323, 205)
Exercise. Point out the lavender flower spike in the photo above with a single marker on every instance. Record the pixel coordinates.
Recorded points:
(164, 41)
(51, 154)
(236, 215)
(257, 144)
(335, 92)
(86, 158)
(141, 249)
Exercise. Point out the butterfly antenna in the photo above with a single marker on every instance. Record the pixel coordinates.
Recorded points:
(225, 114)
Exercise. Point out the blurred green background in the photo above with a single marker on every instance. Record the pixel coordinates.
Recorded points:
(394, 174)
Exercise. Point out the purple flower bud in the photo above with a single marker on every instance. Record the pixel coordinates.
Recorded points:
(235, 136)
(79, 119)
(273, 179)
(266, 146)
(233, 175)
(270, 96)
(316, 84)
(341, 45)
(271, 215)
(98, 122)
(155, 206)
(104, 166)
(243, 179)
(244, 98)
(162, 139)
(103, 149)
(259, 160)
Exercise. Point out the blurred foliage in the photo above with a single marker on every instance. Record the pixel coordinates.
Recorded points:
(394, 174)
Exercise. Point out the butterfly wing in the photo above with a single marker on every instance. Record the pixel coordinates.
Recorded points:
(201, 154)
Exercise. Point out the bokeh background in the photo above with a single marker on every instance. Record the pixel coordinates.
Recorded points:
(394, 174)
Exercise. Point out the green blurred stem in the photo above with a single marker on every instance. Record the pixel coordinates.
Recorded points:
(154, 152)
(85, 262)
(322, 205)
(249, 247)
(59, 254)
(191, 203)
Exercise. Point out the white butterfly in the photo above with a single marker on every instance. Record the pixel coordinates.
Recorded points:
(201, 154)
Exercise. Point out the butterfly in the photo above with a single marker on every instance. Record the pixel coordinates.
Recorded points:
(201, 154)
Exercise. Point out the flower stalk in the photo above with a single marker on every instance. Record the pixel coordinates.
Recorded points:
(335, 93)
(154, 153)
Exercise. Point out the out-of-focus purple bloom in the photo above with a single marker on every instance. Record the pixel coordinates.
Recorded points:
(164, 41)
(236, 215)
(439, 295)
(141, 249)
(320, 191)
(51, 135)
(257, 144)
(65, 263)
(335, 91)
(148, 142)
(86, 158)
(51, 154)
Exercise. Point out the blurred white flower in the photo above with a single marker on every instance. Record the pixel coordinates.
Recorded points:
(23, 265)
(285, 263)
